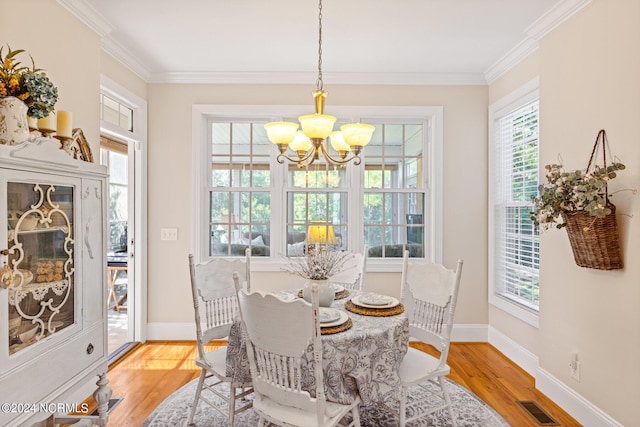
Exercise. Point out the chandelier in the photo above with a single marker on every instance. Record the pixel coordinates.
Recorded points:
(309, 142)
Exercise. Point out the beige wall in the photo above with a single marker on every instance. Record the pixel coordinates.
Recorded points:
(117, 72)
(589, 80)
(465, 129)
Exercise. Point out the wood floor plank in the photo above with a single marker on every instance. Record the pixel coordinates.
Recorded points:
(154, 370)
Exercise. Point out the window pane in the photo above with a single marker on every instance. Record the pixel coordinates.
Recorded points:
(316, 176)
(516, 261)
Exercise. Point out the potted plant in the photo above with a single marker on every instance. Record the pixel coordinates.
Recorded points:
(579, 201)
(24, 91)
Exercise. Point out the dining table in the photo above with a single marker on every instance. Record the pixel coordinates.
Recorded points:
(360, 358)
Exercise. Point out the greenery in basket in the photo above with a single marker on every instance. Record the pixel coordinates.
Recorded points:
(318, 264)
(572, 191)
(29, 84)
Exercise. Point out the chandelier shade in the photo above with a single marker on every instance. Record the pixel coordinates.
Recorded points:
(281, 132)
(316, 128)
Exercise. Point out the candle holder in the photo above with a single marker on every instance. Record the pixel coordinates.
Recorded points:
(65, 141)
(47, 132)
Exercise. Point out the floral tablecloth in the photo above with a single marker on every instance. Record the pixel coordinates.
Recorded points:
(363, 360)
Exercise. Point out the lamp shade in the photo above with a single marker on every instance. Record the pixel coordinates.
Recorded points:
(321, 233)
(301, 142)
(337, 141)
(317, 125)
(281, 132)
(357, 134)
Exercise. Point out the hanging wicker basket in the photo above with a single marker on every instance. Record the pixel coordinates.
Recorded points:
(594, 241)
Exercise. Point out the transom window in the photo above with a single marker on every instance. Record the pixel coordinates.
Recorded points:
(249, 200)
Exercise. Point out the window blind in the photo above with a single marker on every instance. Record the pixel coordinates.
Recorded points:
(517, 246)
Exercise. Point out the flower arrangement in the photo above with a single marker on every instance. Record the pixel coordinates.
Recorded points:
(29, 84)
(572, 191)
(318, 264)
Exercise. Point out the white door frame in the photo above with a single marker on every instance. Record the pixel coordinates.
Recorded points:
(137, 241)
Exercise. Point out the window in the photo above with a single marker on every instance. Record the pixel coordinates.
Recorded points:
(394, 192)
(514, 169)
(248, 200)
(112, 111)
(113, 154)
(239, 189)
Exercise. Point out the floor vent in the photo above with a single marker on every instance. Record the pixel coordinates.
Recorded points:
(538, 414)
(113, 402)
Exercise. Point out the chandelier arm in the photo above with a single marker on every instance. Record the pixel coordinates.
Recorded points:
(300, 160)
(355, 157)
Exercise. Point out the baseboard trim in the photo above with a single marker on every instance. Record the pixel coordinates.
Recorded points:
(171, 331)
(514, 351)
(585, 412)
(469, 333)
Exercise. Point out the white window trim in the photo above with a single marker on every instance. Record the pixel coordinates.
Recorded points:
(519, 97)
(433, 184)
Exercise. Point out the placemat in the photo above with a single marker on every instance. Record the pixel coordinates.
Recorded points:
(340, 295)
(377, 312)
(335, 329)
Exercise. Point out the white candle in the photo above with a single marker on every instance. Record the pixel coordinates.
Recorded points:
(64, 123)
(48, 123)
(32, 122)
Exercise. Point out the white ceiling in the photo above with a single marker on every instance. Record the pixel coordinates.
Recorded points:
(364, 41)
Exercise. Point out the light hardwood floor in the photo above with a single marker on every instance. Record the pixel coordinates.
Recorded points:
(154, 370)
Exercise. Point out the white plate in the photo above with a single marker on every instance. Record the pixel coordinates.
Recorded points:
(328, 315)
(337, 288)
(375, 301)
(342, 319)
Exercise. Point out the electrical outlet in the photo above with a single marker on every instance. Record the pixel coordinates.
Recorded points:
(168, 234)
(574, 367)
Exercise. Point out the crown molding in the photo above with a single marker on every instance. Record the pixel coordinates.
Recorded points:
(122, 55)
(438, 79)
(88, 15)
(523, 49)
(555, 17)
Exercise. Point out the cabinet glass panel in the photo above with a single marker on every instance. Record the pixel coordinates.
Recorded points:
(39, 270)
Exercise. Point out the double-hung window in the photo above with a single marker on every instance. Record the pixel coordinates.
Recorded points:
(514, 241)
(246, 199)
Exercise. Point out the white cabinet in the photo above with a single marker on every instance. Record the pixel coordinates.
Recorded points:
(53, 318)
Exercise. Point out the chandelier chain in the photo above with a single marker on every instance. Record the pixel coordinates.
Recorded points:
(319, 82)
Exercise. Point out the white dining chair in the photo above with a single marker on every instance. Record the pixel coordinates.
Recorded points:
(352, 275)
(215, 306)
(429, 293)
(277, 334)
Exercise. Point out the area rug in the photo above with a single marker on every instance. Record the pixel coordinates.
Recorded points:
(470, 411)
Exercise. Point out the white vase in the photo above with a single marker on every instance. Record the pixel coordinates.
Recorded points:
(13, 121)
(326, 293)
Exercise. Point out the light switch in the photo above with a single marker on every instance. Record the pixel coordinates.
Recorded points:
(168, 234)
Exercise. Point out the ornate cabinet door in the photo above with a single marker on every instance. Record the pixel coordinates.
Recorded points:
(52, 283)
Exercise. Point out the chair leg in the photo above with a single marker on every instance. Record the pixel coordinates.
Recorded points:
(356, 417)
(447, 399)
(232, 404)
(403, 407)
(203, 374)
